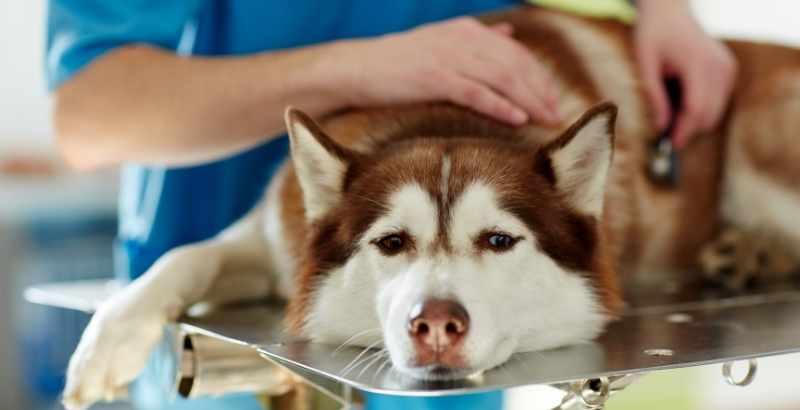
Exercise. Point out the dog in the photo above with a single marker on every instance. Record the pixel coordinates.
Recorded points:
(455, 241)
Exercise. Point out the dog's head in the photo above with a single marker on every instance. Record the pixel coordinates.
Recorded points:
(455, 252)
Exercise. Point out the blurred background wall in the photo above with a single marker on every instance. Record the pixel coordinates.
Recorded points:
(57, 225)
(54, 224)
(24, 126)
(25, 112)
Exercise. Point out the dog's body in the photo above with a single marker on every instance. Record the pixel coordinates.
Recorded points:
(395, 221)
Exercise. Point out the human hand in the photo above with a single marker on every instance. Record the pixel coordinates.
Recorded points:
(461, 61)
(670, 43)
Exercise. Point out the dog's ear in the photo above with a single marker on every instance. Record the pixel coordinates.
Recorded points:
(320, 163)
(578, 161)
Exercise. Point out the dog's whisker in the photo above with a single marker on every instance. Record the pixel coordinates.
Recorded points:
(352, 338)
(359, 356)
(386, 360)
(353, 363)
(354, 366)
(366, 360)
(375, 358)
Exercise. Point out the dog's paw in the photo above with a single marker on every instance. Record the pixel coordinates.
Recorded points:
(739, 259)
(721, 262)
(113, 350)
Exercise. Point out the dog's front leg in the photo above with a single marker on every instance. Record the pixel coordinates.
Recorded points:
(115, 346)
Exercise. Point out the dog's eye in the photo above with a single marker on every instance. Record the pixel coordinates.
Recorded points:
(392, 244)
(499, 242)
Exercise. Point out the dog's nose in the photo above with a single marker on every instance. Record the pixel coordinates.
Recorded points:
(438, 325)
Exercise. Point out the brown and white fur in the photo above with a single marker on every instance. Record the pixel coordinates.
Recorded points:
(573, 224)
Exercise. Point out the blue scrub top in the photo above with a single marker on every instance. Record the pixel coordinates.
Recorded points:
(161, 208)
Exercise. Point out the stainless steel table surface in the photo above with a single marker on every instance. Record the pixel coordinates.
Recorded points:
(669, 327)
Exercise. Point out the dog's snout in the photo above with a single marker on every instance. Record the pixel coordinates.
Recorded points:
(437, 328)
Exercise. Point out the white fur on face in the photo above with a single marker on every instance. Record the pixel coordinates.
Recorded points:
(518, 300)
(348, 301)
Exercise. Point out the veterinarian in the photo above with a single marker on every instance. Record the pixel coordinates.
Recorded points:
(189, 96)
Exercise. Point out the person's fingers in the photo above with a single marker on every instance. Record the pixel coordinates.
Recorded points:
(508, 82)
(540, 84)
(694, 108)
(505, 29)
(480, 97)
(541, 89)
(489, 72)
(653, 82)
(721, 76)
(716, 100)
(509, 68)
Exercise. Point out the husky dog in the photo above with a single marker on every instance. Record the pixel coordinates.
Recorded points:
(456, 241)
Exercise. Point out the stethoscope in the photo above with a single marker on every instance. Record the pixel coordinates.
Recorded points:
(663, 163)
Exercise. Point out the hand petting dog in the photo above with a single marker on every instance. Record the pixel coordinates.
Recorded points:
(461, 61)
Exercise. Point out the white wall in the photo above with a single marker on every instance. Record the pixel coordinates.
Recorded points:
(768, 20)
(24, 126)
(24, 106)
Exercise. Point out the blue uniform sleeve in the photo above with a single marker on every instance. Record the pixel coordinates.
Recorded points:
(78, 31)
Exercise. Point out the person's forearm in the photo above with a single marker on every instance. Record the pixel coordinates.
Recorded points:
(147, 105)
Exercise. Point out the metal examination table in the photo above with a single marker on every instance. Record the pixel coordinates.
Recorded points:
(673, 326)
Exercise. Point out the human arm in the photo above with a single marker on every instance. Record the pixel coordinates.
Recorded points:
(145, 104)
